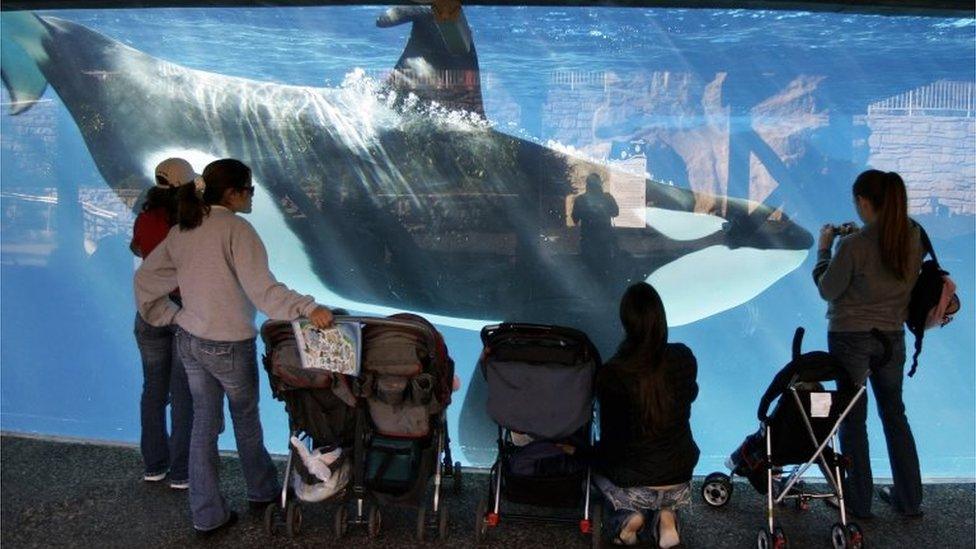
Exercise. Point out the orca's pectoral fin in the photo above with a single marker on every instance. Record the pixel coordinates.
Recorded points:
(19, 53)
(399, 15)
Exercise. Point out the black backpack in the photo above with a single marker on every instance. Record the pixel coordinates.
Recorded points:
(933, 300)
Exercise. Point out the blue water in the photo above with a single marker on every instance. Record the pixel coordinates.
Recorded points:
(69, 362)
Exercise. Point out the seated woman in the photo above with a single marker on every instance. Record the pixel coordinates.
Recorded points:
(646, 453)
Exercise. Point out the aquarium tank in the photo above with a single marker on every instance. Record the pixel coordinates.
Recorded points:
(409, 164)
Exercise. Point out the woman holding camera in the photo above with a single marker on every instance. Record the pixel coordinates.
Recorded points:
(867, 284)
(221, 267)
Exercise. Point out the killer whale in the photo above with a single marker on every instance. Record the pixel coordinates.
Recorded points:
(401, 208)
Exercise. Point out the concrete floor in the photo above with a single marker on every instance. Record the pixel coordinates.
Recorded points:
(85, 495)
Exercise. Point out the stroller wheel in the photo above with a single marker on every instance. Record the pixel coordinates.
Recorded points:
(270, 519)
(457, 484)
(717, 489)
(373, 522)
(763, 539)
(339, 521)
(421, 523)
(849, 537)
(596, 521)
(838, 536)
(480, 524)
(293, 519)
(442, 518)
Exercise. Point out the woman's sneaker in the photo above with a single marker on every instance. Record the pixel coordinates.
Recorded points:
(153, 477)
(179, 484)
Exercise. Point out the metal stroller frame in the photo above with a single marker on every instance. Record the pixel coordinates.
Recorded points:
(289, 506)
(485, 517)
(717, 488)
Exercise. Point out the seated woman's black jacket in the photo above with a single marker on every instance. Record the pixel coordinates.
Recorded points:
(629, 456)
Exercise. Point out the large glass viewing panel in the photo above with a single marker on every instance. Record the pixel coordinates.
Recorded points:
(406, 165)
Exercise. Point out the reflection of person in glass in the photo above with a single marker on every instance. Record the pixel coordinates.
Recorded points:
(593, 211)
(867, 284)
(646, 453)
(221, 267)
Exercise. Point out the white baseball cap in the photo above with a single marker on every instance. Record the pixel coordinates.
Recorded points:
(174, 172)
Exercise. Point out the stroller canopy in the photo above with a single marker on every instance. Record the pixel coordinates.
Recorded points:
(540, 378)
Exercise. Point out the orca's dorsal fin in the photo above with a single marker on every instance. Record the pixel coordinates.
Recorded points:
(439, 62)
(20, 52)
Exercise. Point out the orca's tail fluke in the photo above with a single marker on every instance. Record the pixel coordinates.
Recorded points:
(20, 54)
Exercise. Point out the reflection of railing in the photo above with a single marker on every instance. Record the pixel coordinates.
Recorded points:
(942, 98)
(446, 78)
(579, 78)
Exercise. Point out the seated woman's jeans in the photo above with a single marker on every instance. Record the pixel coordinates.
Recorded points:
(623, 502)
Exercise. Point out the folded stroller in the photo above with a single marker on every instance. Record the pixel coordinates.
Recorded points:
(390, 423)
(540, 394)
(801, 431)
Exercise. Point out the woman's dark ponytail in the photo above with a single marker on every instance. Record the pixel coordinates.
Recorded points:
(887, 194)
(218, 177)
(190, 207)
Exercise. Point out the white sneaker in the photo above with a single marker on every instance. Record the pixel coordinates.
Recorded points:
(154, 477)
(179, 484)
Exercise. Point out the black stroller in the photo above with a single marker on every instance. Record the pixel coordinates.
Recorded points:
(805, 420)
(540, 393)
(390, 423)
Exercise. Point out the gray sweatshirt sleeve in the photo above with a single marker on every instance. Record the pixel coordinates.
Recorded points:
(270, 296)
(835, 274)
(154, 281)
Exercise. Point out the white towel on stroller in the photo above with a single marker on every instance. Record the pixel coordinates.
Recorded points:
(315, 461)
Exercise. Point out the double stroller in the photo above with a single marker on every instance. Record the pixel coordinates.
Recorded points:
(376, 439)
(540, 393)
(801, 431)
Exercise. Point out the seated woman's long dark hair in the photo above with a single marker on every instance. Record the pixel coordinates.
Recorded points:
(219, 175)
(641, 353)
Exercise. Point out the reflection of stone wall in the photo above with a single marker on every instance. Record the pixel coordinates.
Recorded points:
(30, 140)
(936, 155)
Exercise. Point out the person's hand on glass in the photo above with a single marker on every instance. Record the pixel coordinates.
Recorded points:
(321, 317)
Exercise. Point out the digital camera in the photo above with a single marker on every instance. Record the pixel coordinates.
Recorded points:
(845, 229)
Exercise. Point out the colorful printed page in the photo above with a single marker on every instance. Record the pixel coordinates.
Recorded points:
(337, 349)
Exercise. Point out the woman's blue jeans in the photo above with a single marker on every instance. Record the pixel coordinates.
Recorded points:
(163, 382)
(856, 350)
(216, 368)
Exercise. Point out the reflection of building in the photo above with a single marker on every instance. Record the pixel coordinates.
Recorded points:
(928, 135)
(106, 212)
(30, 223)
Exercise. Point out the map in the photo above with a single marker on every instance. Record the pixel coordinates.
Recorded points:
(337, 349)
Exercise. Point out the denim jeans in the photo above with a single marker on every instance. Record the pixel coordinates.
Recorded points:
(216, 368)
(621, 503)
(163, 382)
(855, 350)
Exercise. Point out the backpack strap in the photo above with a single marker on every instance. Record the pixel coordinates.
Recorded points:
(926, 243)
(920, 334)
